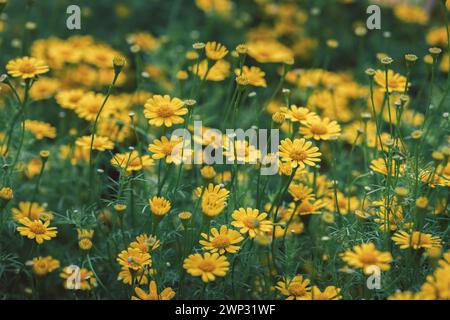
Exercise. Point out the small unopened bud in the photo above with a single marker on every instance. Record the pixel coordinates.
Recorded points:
(198, 46)
(241, 49)
(120, 207)
(190, 102)
(416, 134)
(119, 63)
(278, 117)
(30, 25)
(332, 44)
(387, 60)
(421, 202)
(435, 51)
(44, 154)
(411, 58)
(370, 72)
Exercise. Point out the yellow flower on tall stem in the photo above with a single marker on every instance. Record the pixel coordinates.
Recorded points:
(37, 230)
(221, 241)
(208, 267)
(330, 293)
(145, 243)
(99, 143)
(26, 67)
(40, 129)
(254, 75)
(251, 221)
(215, 50)
(131, 161)
(85, 238)
(299, 114)
(320, 129)
(159, 206)
(366, 256)
(89, 106)
(297, 288)
(299, 153)
(396, 82)
(44, 265)
(32, 210)
(69, 99)
(214, 200)
(166, 294)
(134, 258)
(171, 149)
(416, 240)
(87, 280)
(379, 165)
(163, 110)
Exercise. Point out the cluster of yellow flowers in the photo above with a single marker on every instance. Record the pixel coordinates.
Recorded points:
(362, 167)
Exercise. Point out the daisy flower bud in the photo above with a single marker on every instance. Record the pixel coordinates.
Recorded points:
(198, 46)
(119, 63)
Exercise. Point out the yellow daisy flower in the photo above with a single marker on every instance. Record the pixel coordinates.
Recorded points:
(44, 265)
(134, 258)
(416, 240)
(254, 76)
(221, 241)
(87, 280)
(26, 67)
(131, 161)
(166, 294)
(99, 143)
(37, 230)
(320, 129)
(215, 50)
(365, 256)
(299, 153)
(251, 221)
(214, 200)
(396, 82)
(169, 149)
(330, 293)
(208, 267)
(159, 206)
(297, 288)
(32, 210)
(40, 129)
(163, 110)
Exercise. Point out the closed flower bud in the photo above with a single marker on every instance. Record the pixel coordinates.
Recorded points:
(44, 154)
(387, 60)
(120, 208)
(185, 215)
(437, 156)
(370, 72)
(401, 192)
(208, 172)
(6, 193)
(411, 58)
(416, 134)
(422, 202)
(435, 51)
(198, 46)
(332, 43)
(119, 63)
(278, 117)
(242, 49)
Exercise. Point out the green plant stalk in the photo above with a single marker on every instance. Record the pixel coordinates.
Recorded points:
(94, 130)
(28, 85)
